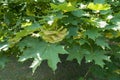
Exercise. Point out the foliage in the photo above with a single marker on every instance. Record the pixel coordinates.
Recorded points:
(43, 29)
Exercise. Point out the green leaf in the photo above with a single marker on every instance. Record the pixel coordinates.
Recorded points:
(98, 56)
(61, 1)
(116, 21)
(110, 26)
(72, 31)
(92, 33)
(76, 52)
(98, 6)
(36, 62)
(115, 51)
(40, 51)
(99, 1)
(78, 13)
(105, 12)
(81, 78)
(83, 41)
(27, 30)
(4, 46)
(66, 7)
(98, 71)
(102, 43)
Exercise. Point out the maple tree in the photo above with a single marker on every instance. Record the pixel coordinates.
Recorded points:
(43, 29)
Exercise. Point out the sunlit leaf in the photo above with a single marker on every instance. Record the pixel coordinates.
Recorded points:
(53, 36)
(98, 6)
(66, 7)
(4, 46)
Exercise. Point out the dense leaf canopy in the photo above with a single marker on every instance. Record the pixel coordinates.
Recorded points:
(43, 29)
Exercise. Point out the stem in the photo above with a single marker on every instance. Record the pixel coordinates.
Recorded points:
(91, 48)
(87, 74)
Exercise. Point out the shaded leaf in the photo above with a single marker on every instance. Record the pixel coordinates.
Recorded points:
(92, 33)
(76, 52)
(98, 57)
(83, 41)
(27, 30)
(99, 1)
(78, 13)
(72, 31)
(102, 43)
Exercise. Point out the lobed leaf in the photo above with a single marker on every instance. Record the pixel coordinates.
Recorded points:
(40, 51)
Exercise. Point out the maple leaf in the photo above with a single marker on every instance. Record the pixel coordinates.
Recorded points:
(98, 56)
(92, 33)
(36, 62)
(39, 50)
(29, 29)
(102, 43)
(76, 52)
